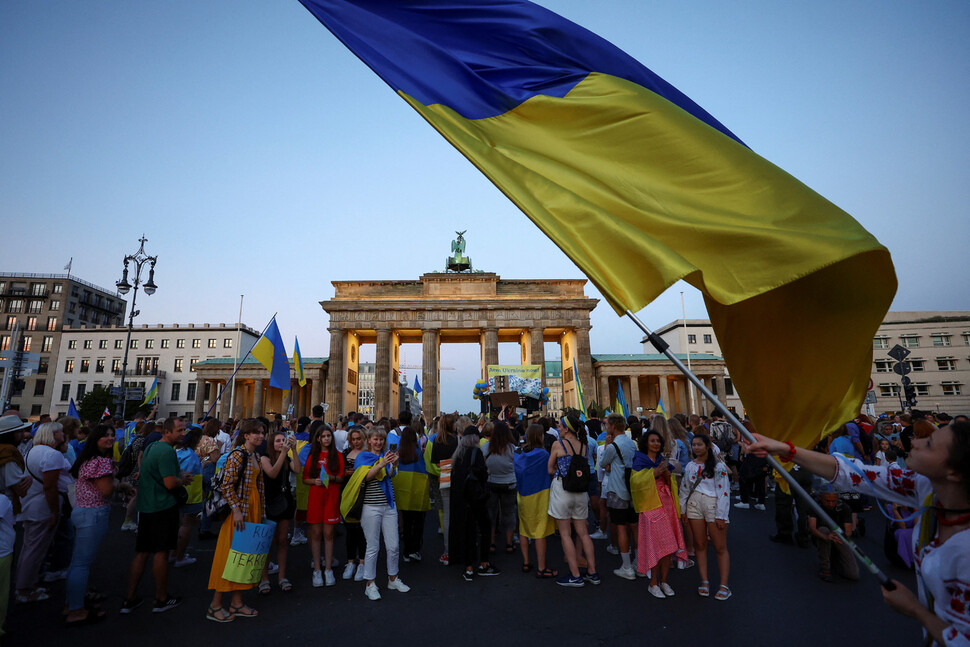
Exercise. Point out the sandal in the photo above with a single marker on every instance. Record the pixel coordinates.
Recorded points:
(285, 585)
(546, 573)
(723, 593)
(704, 590)
(213, 614)
(510, 549)
(94, 616)
(492, 548)
(264, 588)
(242, 611)
(527, 568)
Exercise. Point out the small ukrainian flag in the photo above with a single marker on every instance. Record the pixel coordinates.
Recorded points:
(298, 362)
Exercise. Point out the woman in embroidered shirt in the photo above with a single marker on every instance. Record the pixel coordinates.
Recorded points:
(247, 500)
(705, 498)
(323, 472)
(95, 475)
(937, 480)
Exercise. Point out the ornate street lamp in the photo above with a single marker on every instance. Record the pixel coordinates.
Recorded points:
(138, 261)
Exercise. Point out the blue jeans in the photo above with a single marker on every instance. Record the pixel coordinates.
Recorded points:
(90, 525)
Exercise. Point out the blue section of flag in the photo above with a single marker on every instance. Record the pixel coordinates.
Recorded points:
(72, 410)
(622, 400)
(269, 352)
(417, 385)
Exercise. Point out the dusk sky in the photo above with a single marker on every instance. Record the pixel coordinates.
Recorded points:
(260, 157)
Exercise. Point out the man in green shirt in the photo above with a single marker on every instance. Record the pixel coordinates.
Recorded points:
(158, 521)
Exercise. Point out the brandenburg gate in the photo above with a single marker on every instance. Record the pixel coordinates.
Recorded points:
(457, 307)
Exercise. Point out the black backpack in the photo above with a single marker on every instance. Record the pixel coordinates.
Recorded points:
(722, 433)
(577, 475)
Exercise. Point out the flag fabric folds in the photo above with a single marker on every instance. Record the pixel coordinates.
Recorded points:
(152, 393)
(532, 482)
(72, 410)
(106, 413)
(298, 363)
(410, 484)
(621, 401)
(269, 352)
(417, 385)
(660, 408)
(603, 154)
(579, 392)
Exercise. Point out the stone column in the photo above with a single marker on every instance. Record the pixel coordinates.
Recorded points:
(336, 385)
(537, 352)
(490, 350)
(603, 392)
(199, 398)
(665, 393)
(382, 375)
(634, 394)
(584, 359)
(429, 373)
(257, 397)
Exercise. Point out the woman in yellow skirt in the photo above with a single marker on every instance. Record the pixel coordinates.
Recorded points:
(246, 496)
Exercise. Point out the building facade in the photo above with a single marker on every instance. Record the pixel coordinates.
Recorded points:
(89, 357)
(36, 309)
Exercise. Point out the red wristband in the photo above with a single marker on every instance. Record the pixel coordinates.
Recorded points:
(791, 453)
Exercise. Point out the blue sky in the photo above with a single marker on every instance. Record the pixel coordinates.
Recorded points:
(260, 157)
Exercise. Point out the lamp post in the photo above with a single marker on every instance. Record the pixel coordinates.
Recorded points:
(138, 261)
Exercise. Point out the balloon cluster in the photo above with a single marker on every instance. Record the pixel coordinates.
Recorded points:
(480, 390)
(544, 398)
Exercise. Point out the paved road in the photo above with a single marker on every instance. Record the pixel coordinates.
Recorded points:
(777, 600)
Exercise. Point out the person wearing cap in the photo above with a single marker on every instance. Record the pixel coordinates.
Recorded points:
(14, 479)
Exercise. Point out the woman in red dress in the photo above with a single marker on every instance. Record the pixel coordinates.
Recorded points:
(323, 472)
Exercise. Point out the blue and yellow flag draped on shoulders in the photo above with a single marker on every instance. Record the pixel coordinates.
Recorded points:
(269, 352)
(603, 154)
(532, 483)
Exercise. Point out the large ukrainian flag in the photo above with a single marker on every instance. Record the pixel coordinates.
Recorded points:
(640, 187)
(410, 484)
(532, 483)
(269, 352)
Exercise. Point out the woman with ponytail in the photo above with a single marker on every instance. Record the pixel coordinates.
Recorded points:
(705, 498)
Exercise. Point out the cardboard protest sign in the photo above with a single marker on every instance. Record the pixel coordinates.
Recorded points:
(248, 552)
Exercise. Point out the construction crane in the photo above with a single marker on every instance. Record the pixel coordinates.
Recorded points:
(441, 368)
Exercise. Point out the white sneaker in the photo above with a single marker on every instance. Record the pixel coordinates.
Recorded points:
(666, 588)
(759, 506)
(625, 573)
(599, 534)
(55, 576)
(299, 537)
(185, 561)
(349, 571)
(329, 578)
(317, 579)
(398, 585)
(359, 575)
(273, 569)
(371, 592)
(612, 550)
(742, 506)
(129, 525)
(415, 557)
(656, 592)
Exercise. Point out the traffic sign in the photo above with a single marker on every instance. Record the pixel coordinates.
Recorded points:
(871, 385)
(905, 380)
(902, 368)
(870, 397)
(115, 390)
(136, 393)
(899, 353)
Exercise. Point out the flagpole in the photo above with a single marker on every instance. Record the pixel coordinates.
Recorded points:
(235, 356)
(690, 392)
(664, 348)
(239, 366)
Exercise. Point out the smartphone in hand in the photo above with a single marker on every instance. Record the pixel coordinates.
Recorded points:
(392, 448)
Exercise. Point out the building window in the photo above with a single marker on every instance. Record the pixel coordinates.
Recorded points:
(134, 344)
(99, 366)
(72, 344)
(31, 323)
(708, 339)
(55, 304)
(119, 344)
(212, 343)
(39, 386)
(116, 366)
(88, 344)
(880, 342)
(38, 290)
(83, 313)
(966, 339)
(940, 339)
(103, 344)
(5, 342)
(946, 363)
(164, 343)
(51, 324)
(922, 388)
(190, 391)
(11, 322)
(69, 366)
(192, 363)
(178, 366)
(35, 306)
(889, 390)
(65, 392)
(227, 342)
(15, 305)
(884, 366)
(81, 388)
(149, 343)
(43, 364)
(728, 386)
(196, 343)
(206, 391)
(58, 288)
(180, 343)
(47, 344)
(176, 391)
(25, 343)
(85, 365)
(910, 341)
(691, 339)
(918, 365)
(952, 388)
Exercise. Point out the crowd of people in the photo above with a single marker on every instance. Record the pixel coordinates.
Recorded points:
(658, 490)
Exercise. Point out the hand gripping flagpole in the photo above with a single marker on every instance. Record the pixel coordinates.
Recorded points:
(231, 380)
(664, 348)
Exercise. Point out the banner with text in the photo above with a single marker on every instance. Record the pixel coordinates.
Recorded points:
(525, 379)
(248, 552)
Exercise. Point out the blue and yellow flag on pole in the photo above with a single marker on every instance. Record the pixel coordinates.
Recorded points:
(579, 392)
(603, 154)
(152, 393)
(660, 408)
(621, 401)
(298, 362)
(269, 352)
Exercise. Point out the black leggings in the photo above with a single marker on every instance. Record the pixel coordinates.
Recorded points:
(476, 522)
(413, 527)
(753, 490)
(356, 545)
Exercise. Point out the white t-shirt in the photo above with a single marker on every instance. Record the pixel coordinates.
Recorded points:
(43, 459)
(224, 441)
(340, 439)
(7, 533)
